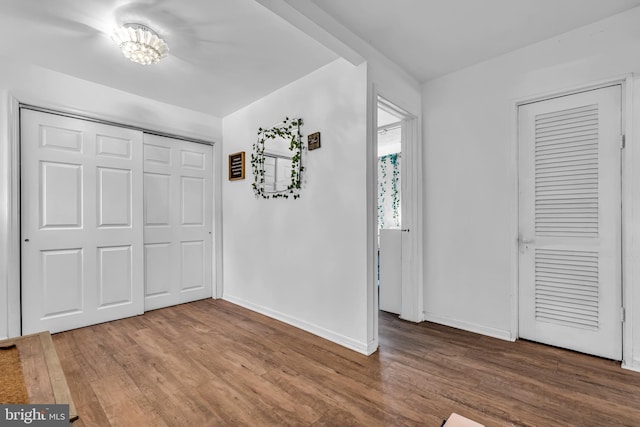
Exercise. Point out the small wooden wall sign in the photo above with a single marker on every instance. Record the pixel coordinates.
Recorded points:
(313, 141)
(236, 166)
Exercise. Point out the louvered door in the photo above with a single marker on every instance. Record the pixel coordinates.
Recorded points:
(570, 218)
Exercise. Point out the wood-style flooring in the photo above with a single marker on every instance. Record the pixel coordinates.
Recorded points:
(213, 363)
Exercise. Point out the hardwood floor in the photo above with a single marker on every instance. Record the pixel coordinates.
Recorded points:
(214, 363)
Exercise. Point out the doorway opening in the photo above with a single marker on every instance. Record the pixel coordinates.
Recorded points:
(399, 163)
(389, 210)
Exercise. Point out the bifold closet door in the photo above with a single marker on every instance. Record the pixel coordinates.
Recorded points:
(82, 234)
(178, 221)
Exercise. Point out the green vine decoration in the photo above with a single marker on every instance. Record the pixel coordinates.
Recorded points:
(289, 130)
(395, 204)
(383, 186)
(381, 191)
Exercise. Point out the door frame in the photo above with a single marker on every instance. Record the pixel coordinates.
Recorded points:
(13, 245)
(411, 187)
(412, 307)
(626, 83)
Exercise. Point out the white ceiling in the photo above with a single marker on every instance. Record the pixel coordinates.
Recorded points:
(429, 38)
(226, 54)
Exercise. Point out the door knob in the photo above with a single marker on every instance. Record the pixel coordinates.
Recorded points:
(523, 244)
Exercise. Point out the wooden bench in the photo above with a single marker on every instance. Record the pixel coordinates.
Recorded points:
(43, 375)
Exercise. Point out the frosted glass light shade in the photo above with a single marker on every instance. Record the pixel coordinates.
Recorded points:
(140, 44)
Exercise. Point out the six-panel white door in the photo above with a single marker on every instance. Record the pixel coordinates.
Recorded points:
(178, 221)
(81, 201)
(570, 222)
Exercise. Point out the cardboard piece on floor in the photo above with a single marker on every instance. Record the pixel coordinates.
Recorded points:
(456, 420)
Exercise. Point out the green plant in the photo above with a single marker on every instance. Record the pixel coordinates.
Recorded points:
(395, 176)
(392, 160)
(289, 130)
(382, 182)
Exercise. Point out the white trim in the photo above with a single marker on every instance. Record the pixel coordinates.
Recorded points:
(13, 221)
(470, 327)
(360, 347)
(218, 179)
(13, 210)
(371, 215)
(99, 120)
(626, 82)
(634, 366)
(388, 106)
(599, 84)
(514, 257)
(372, 347)
(627, 221)
(162, 128)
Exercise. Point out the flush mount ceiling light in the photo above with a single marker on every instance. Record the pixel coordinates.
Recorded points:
(140, 43)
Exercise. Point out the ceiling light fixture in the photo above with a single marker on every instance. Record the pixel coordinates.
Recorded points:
(140, 43)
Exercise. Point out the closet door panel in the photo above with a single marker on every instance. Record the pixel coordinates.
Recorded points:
(82, 234)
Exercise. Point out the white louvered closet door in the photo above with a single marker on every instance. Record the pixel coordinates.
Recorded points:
(570, 219)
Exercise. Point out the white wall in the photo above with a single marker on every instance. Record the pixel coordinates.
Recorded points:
(390, 81)
(470, 188)
(304, 261)
(394, 85)
(34, 85)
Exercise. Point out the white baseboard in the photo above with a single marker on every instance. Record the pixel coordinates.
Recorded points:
(371, 348)
(471, 327)
(633, 366)
(339, 339)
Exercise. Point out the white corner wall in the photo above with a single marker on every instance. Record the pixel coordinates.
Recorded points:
(38, 86)
(304, 261)
(470, 173)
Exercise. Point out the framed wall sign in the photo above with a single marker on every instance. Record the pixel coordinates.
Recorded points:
(313, 141)
(236, 166)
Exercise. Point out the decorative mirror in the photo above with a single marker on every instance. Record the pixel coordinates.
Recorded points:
(276, 161)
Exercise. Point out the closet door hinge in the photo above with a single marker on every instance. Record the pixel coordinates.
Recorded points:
(623, 141)
(622, 315)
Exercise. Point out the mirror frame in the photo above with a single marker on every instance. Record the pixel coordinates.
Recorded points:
(289, 130)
